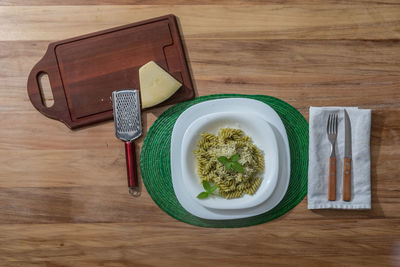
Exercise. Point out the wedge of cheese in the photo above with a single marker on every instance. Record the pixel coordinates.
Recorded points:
(156, 85)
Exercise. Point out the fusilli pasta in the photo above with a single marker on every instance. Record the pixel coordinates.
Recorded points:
(228, 142)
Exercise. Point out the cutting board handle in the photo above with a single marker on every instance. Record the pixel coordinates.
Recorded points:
(48, 65)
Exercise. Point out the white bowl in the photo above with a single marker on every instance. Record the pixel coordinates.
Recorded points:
(262, 136)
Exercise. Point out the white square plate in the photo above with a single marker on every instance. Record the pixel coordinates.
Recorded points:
(250, 108)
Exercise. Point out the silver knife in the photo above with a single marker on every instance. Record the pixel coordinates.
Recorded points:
(347, 158)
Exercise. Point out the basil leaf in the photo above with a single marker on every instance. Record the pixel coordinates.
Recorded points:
(234, 157)
(206, 185)
(228, 165)
(203, 195)
(223, 159)
(212, 189)
(237, 167)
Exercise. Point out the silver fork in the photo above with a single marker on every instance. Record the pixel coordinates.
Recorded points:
(331, 130)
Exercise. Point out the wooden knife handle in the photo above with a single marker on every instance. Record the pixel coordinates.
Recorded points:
(347, 179)
(332, 179)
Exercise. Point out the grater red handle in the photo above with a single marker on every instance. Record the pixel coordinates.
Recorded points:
(131, 168)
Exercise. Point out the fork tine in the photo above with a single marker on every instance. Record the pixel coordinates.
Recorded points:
(336, 123)
(328, 124)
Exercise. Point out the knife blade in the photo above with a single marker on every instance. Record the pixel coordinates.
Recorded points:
(347, 158)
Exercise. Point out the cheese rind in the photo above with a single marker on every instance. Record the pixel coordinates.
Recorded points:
(156, 85)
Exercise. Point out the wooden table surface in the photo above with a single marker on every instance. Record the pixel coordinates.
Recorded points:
(63, 193)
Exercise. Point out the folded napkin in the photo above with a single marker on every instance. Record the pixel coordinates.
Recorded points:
(319, 153)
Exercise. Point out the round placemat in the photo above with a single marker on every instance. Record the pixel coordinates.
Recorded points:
(156, 168)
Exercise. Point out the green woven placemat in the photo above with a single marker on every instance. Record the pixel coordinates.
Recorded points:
(156, 169)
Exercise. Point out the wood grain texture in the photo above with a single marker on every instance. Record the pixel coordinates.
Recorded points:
(332, 179)
(347, 179)
(187, 2)
(324, 21)
(63, 194)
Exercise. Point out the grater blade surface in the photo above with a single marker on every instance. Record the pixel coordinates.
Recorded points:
(127, 114)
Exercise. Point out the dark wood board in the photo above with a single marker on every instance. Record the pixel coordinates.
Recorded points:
(83, 71)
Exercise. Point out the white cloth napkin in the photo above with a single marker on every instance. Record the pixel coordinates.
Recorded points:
(319, 153)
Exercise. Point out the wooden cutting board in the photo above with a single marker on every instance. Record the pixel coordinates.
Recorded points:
(83, 71)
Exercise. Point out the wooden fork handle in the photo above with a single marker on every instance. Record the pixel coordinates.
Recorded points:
(332, 179)
(347, 179)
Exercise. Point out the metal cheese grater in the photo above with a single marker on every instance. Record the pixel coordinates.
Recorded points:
(128, 127)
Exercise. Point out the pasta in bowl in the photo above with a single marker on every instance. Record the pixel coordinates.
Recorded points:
(230, 161)
(235, 154)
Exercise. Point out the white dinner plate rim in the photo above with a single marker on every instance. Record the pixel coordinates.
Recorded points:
(268, 140)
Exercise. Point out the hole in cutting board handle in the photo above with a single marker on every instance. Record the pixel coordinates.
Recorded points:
(45, 89)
